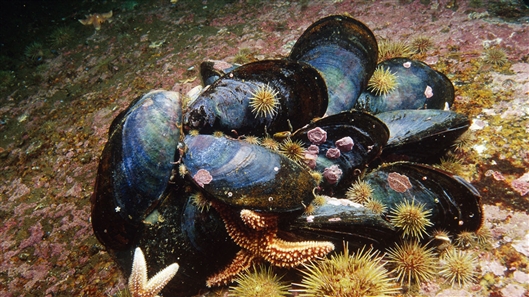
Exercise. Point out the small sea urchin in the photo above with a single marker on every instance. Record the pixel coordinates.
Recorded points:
(411, 218)
(61, 36)
(34, 51)
(359, 192)
(382, 82)
(412, 262)
(252, 139)
(458, 267)
(360, 274)
(483, 237)
(375, 206)
(495, 56)
(421, 44)
(261, 282)
(270, 143)
(264, 101)
(388, 49)
(466, 239)
(293, 150)
(201, 202)
(452, 164)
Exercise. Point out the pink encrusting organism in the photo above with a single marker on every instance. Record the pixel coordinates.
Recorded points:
(202, 177)
(344, 144)
(333, 153)
(332, 174)
(317, 136)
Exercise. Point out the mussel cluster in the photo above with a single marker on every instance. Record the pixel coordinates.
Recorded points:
(285, 138)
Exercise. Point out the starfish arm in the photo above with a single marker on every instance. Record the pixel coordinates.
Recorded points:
(107, 15)
(242, 261)
(138, 276)
(258, 221)
(138, 284)
(158, 282)
(291, 254)
(87, 21)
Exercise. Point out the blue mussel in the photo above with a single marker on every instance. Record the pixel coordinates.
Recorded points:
(172, 177)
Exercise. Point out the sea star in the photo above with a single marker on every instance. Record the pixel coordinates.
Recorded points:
(256, 234)
(96, 19)
(139, 285)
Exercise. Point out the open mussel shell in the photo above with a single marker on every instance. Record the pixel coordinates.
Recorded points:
(418, 86)
(246, 175)
(136, 166)
(340, 220)
(345, 52)
(344, 145)
(421, 135)
(271, 95)
(453, 202)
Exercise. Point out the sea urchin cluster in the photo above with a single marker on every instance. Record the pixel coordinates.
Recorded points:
(356, 275)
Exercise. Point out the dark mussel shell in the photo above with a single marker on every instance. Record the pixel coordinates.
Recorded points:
(178, 231)
(226, 105)
(340, 220)
(454, 203)
(368, 135)
(212, 70)
(418, 87)
(246, 175)
(345, 52)
(421, 135)
(136, 166)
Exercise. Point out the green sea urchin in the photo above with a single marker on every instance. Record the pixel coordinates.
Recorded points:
(357, 275)
(270, 143)
(293, 150)
(388, 49)
(421, 44)
(264, 101)
(261, 282)
(412, 262)
(375, 206)
(484, 237)
(382, 82)
(495, 56)
(411, 218)
(458, 267)
(201, 202)
(61, 36)
(34, 51)
(466, 239)
(359, 192)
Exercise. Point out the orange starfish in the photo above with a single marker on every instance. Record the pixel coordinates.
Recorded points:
(256, 234)
(96, 19)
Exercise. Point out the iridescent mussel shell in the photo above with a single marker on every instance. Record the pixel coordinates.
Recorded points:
(421, 135)
(231, 104)
(345, 52)
(246, 175)
(454, 204)
(136, 166)
(341, 146)
(418, 86)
